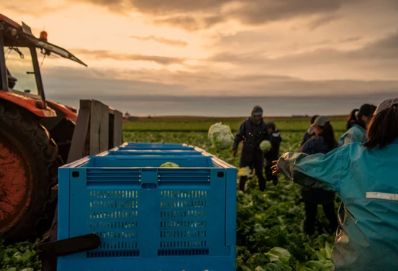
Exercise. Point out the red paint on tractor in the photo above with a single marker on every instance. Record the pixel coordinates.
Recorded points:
(28, 104)
(69, 113)
(9, 21)
(15, 185)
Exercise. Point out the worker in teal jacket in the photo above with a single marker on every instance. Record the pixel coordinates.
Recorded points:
(365, 176)
(357, 132)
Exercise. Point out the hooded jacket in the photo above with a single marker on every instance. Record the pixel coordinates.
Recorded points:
(308, 135)
(251, 134)
(367, 237)
(355, 134)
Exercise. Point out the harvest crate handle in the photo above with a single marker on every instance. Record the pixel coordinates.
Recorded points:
(149, 185)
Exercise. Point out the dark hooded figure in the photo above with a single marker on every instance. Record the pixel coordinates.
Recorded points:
(252, 132)
(273, 153)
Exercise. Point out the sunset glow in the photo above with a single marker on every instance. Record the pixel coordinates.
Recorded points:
(164, 57)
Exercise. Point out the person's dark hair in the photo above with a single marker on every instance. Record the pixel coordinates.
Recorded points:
(353, 115)
(271, 125)
(313, 118)
(383, 128)
(328, 135)
(365, 110)
(352, 118)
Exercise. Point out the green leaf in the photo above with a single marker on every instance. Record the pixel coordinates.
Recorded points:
(328, 267)
(315, 265)
(277, 266)
(309, 250)
(329, 250)
(303, 268)
(243, 268)
(257, 259)
(278, 254)
(321, 255)
(17, 256)
(10, 250)
(27, 256)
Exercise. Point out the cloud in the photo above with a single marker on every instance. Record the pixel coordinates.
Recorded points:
(386, 48)
(322, 20)
(377, 56)
(173, 6)
(260, 11)
(351, 39)
(29, 7)
(228, 57)
(170, 42)
(188, 22)
(279, 95)
(161, 7)
(194, 15)
(155, 82)
(211, 92)
(105, 54)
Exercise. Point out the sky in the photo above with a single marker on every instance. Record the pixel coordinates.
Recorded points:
(218, 57)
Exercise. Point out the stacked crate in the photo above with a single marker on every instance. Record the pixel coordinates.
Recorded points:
(150, 218)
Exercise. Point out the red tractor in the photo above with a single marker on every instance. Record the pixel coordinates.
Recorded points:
(35, 134)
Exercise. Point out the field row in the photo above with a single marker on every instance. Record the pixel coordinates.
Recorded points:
(290, 125)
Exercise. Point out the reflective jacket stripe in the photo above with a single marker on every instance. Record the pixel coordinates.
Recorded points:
(378, 195)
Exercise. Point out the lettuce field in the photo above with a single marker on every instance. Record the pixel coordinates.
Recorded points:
(269, 224)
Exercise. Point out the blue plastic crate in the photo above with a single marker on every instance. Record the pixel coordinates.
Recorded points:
(149, 218)
(100, 162)
(155, 146)
(151, 153)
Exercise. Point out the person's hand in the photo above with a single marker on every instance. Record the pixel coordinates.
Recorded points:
(234, 152)
(275, 168)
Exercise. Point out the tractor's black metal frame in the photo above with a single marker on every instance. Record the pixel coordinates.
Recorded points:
(3, 72)
(35, 62)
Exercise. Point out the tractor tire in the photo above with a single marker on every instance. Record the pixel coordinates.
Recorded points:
(28, 171)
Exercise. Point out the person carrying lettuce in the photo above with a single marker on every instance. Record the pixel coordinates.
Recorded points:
(252, 132)
(365, 176)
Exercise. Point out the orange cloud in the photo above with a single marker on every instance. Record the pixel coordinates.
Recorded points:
(170, 42)
(105, 54)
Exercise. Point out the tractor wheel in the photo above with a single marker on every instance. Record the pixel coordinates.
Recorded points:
(28, 170)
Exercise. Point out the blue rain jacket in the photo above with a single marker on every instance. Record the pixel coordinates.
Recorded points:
(367, 182)
(355, 134)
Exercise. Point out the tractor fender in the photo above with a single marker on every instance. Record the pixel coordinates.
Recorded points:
(37, 107)
(69, 113)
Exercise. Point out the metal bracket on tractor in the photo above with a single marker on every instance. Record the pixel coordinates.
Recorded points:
(98, 129)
